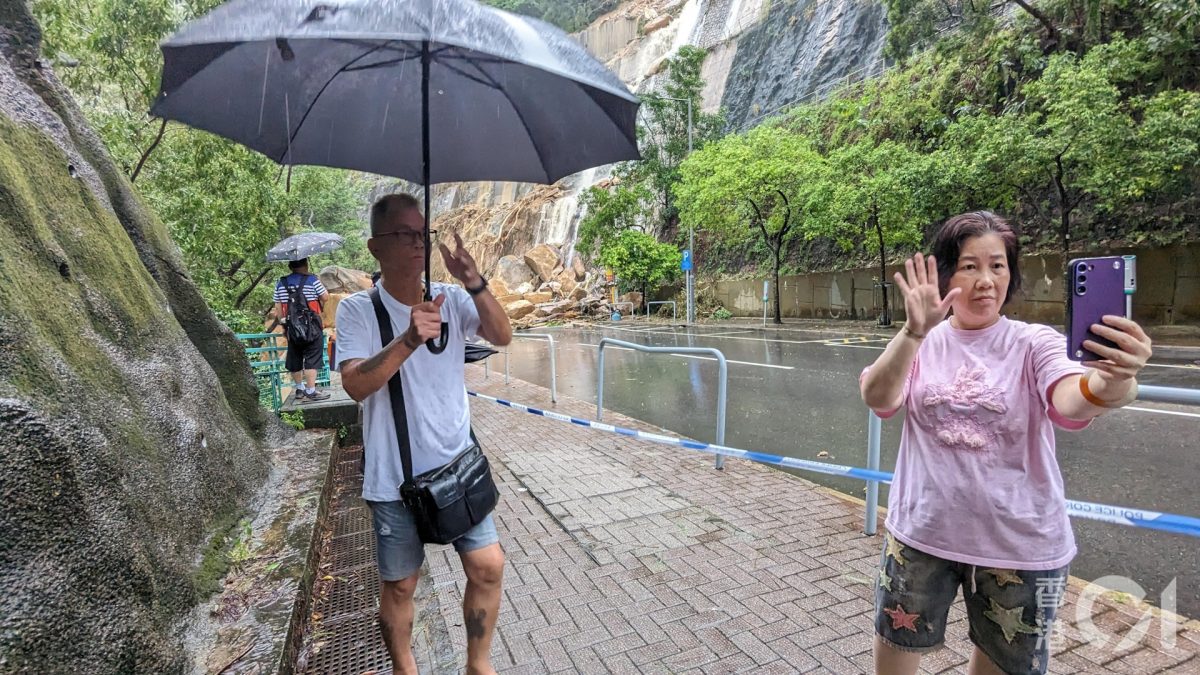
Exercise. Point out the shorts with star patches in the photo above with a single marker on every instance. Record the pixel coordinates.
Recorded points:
(1010, 612)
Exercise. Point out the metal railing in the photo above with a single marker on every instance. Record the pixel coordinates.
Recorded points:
(269, 365)
(1117, 515)
(553, 365)
(1146, 392)
(674, 312)
(722, 382)
(632, 307)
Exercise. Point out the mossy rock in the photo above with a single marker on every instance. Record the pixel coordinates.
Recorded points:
(131, 431)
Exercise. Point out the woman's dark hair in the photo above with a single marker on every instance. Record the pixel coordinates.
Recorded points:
(947, 246)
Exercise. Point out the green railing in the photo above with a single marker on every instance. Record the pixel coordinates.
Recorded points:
(270, 371)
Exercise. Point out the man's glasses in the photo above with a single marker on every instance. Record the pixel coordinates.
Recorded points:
(409, 237)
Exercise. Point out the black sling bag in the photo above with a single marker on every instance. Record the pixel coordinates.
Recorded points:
(448, 501)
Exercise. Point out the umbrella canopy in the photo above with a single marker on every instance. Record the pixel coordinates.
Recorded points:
(476, 352)
(340, 84)
(300, 246)
(364, 84)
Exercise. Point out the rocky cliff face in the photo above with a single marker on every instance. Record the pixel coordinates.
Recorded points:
(128, 416)
(763, 56)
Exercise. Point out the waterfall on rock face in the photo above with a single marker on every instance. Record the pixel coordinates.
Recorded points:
(688, 19)
(763, 56)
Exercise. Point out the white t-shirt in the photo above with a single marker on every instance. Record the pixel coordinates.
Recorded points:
(435, 396)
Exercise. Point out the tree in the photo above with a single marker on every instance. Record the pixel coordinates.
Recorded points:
(641, 193)
(223, 204)
(570, 15)
(915, 24)
(762, 180)
(641, 260)
(611, 209)
(1070, 137)
(873, 195)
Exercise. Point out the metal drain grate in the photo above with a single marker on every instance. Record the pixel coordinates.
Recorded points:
(353, 550)
(354, 648)
(350, 594)
(350, 497)
(347, 469)
(349, 521)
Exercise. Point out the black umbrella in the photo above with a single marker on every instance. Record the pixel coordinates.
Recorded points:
(335, 83)
(476, 352)
(300, 246)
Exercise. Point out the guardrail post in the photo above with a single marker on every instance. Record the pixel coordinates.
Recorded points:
(874, 432)
(722, 383)
(674, 308)
(553, 361)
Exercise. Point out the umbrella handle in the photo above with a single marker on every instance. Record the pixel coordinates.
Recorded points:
(434, 347)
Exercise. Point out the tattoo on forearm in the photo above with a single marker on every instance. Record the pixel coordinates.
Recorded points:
(474, 620)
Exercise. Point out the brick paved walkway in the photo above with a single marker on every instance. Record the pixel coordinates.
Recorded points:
(625, 556)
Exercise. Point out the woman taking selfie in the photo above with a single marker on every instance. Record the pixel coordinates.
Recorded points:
(977, 501)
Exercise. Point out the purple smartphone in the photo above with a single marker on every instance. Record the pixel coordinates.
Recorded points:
(1096, 287)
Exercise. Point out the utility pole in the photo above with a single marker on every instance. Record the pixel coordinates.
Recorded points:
(690, 273)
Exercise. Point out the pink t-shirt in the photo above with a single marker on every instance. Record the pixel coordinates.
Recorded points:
(976, 478)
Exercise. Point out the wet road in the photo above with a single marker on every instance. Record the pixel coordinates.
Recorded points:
(794, 392)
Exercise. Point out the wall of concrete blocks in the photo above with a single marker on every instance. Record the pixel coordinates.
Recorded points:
(1168, 290)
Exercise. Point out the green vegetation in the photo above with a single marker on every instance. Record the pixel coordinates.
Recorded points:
(217, 556)
(1079, 120)
(47, 309)
(224, 205)
(641, 197)
(569, 15)
(640, 260)
(294, 420)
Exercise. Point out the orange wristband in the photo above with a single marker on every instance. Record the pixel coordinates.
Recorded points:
(1092, 398)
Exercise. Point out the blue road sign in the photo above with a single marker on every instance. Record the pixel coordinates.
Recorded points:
(686, 264)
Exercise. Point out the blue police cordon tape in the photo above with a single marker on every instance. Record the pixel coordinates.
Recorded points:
(1119, 515)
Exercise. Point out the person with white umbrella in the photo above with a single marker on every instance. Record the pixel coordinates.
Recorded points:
(299, 297)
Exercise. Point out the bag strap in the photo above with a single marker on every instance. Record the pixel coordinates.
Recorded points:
(395, 386)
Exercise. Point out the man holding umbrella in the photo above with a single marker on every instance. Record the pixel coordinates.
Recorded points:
(438, 416)
(386, 87)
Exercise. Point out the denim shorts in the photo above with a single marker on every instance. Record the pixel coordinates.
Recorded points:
(1010, 612)
(399, 551)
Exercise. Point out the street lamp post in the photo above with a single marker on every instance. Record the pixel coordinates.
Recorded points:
(689, 273)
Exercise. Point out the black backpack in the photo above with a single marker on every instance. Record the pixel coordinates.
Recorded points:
(303, 324)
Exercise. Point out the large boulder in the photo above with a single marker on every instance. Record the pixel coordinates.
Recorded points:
(539, 298)
(130, 426)
(578, 268)
(329, 311)
(498, 287)
(579, 293)
(543, 259)
(566, 281)
(513, 272)
(344, 280)
(518, 309)
(632, 296)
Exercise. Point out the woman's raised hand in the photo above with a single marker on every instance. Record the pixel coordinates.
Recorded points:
(923, 302)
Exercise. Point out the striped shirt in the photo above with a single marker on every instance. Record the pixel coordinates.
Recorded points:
(312, 286)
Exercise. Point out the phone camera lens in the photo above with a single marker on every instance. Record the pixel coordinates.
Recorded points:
(1082, 278)
(1081, 290)
(1082, 267)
